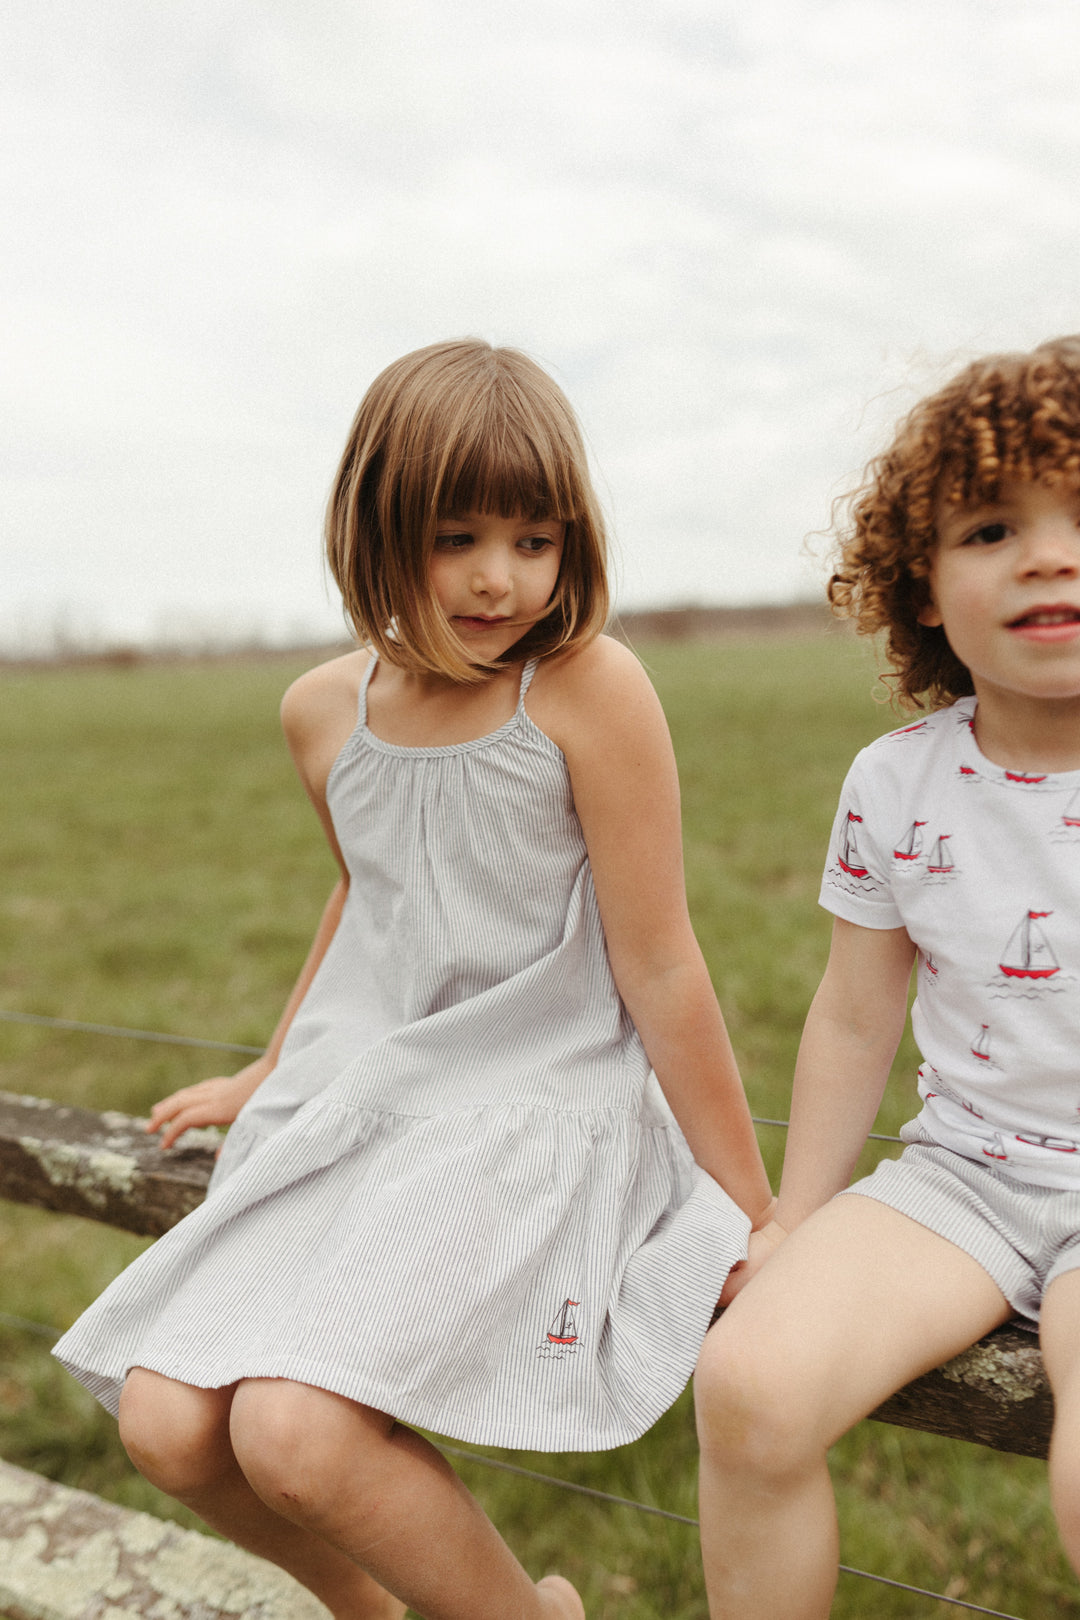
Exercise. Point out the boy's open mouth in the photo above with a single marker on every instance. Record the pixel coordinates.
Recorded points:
(1045, 617)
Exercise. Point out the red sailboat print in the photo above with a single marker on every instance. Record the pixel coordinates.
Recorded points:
(940, 859)
(910, 846)
(980, 1046)
(996, 1148)
(564, 1329)
(967, 770)
(849, 857)
(1028, 954)
(905, 731)
(1071, 813)
(1022, 776)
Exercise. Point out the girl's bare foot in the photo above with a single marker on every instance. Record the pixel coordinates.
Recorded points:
(560, 1599)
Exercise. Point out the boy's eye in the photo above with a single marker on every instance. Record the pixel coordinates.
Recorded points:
(988, 534)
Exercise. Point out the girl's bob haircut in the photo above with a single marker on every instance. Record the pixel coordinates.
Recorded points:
(1007, 417)
(454, 428)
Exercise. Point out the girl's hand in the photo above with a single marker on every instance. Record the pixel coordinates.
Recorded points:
(211, 1102)
(763, 1244)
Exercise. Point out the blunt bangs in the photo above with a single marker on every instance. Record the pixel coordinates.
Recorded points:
(458, 428)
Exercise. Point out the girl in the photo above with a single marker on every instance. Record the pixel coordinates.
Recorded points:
(955, 848)
(455, 1195)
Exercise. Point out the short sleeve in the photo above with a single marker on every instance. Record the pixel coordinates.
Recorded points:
(855, 884)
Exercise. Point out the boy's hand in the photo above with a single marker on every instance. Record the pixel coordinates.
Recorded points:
(763, 1243)
(211, 1102)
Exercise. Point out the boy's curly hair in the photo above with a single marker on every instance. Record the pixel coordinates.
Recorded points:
(1008, 416)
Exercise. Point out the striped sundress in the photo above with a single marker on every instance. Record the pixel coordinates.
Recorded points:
(460, 1197)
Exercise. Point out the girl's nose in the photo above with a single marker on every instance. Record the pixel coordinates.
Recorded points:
(491, 575)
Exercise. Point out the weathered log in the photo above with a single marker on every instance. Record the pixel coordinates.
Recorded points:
(106, 1167)
(996, 1393)
(103, 1166)
(66, 1555)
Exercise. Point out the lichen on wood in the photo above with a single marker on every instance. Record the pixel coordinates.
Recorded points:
(104, 1166)
(66, 1555)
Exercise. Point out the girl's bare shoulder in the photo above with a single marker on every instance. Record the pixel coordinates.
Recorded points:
(319, 715)
(324, 695)
(597, 689)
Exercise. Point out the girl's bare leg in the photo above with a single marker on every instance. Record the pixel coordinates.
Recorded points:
(857, 1302)
(178, 1437)
(388, 1500)
(1059, 1332)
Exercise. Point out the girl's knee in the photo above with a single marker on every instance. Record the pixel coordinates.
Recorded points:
(176, 1435)
(296, 1444)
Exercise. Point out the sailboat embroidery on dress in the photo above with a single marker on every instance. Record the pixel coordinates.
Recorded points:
(909, 846)
(1027, 965)
(980, 1046)
(562, 1337)
(995, 1148)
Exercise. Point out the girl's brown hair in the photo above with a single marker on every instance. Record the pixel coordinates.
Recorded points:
(1009, 416)
(454, 428)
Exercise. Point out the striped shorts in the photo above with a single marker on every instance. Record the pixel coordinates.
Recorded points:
(1024, 1236)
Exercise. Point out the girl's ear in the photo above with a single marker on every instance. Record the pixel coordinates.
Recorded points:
(930, 614)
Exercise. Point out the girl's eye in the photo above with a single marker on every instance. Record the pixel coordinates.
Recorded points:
(452, 542)
(988, 534)
(537, 542)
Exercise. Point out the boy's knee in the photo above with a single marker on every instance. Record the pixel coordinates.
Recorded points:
(743, 1406)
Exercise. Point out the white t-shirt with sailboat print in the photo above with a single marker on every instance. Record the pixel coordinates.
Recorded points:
(981, 865)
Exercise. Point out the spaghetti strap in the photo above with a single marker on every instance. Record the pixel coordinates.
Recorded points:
(526, 679)
(365, 682)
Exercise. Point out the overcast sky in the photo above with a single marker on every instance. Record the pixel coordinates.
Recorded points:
(743, 234)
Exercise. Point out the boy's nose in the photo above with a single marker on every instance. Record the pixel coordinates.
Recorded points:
(1052, 548)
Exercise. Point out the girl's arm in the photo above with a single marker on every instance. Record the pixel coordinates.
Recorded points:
(318, 714)
(849, 1041)
(601, 710)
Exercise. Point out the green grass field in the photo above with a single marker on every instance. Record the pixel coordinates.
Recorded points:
(162, 869)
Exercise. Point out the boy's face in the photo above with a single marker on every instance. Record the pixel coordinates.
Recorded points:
(1005, 584)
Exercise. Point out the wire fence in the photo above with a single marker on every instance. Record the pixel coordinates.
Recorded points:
(44, 1331)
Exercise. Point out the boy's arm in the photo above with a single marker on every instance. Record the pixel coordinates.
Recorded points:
(852, 1031)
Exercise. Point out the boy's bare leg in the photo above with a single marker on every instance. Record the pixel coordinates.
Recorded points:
(1059, 1332)
(857, 1302)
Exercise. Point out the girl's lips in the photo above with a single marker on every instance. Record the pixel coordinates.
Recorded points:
(476, 622)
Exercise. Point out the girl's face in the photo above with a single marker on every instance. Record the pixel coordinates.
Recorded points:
(493, 576)
(1005, 584)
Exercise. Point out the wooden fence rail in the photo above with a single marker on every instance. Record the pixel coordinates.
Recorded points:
(105, 1167)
